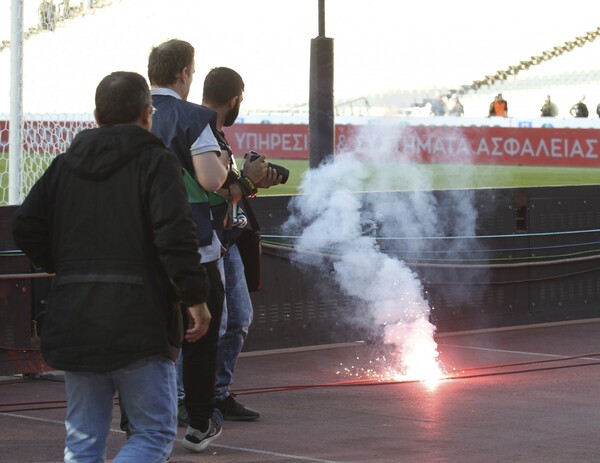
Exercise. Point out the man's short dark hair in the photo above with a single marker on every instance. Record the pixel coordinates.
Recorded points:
(221, 85)
(121, 97)
(167, 60)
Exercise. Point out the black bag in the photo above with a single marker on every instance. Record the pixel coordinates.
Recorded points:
(250, 247)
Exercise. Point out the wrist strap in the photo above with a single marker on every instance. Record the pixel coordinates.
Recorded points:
(247, 186)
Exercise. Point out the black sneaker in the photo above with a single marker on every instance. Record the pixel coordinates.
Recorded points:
(232, 410)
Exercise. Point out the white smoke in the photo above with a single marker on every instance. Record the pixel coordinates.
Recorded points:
(344, 230)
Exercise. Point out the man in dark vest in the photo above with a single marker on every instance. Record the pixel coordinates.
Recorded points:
(186, 130)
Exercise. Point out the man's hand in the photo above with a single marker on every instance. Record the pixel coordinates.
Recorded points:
(255, 170)
(269, 180)
(199, 319)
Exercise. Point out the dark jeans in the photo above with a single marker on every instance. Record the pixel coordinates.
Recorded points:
(200, 357)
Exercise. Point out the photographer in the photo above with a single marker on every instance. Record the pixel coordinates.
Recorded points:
(223, 93)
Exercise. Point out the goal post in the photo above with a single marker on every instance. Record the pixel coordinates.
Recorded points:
(33, 130)
(16, 104)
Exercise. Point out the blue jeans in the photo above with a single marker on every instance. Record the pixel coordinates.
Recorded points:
(147, 393)
(237, 317)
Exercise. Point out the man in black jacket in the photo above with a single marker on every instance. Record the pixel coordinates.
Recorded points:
(110, 218)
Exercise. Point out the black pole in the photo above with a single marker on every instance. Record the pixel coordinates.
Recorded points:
(321, 18)
(321, 105)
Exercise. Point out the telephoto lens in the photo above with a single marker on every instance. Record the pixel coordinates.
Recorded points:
(285, 173)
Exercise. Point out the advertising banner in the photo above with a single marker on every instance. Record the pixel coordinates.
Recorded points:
(574, 147)
(428, 144)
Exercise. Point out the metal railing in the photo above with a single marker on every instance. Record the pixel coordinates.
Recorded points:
(548, 55)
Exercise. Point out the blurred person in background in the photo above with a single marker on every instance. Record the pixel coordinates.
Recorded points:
(456, 107)
(549, 109)
(439, 106)
(579, 109)
(498, 107)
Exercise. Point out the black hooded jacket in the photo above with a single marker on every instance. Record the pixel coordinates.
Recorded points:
(110, 217)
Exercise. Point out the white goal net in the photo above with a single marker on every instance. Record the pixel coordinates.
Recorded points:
(42, 129)
(68, 46)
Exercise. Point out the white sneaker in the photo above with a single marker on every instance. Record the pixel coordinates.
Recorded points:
(196, 441)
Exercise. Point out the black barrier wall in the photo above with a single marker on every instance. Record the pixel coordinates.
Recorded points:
(21, 300)
(535, 258)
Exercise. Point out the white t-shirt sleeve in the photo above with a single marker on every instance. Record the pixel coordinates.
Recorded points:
(205, 142)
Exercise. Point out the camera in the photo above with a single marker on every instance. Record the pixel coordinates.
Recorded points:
(285, 173)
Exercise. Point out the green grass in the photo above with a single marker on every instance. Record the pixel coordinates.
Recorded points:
(449, 176)
(33, 165)
(296, 168)
(422, 176)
